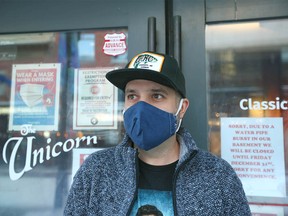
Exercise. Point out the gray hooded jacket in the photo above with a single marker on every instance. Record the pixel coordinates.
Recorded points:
(106, 183)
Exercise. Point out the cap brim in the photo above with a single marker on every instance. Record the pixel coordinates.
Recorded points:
(121, 77)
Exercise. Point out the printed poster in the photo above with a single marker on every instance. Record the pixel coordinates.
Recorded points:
(255, 149)
(35, 97)
(95, 100)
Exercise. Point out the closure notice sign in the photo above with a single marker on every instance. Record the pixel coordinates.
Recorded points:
(255, 149)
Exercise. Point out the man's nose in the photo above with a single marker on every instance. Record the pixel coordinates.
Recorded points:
(145, 99)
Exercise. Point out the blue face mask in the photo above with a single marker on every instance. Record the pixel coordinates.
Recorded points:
(149, 126)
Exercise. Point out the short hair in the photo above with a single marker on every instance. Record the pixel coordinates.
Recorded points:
(148, 210)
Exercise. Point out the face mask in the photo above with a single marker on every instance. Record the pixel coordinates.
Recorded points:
(31, 94)
(149, 126)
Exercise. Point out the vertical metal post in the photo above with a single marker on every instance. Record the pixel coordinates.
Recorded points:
(152, 34)
(177, 39)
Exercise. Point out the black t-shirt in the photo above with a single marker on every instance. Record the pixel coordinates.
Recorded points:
(156, 177)
(155, 190)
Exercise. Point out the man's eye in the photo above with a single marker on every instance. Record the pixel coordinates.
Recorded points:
(157, 96)
(131, 97)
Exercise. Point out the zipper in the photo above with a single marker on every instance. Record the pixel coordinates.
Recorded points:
(175, 179)
(137, 183)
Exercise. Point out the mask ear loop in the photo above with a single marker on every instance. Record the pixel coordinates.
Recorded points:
(180, 120)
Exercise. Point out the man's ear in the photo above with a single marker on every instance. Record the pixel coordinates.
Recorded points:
(184, 107)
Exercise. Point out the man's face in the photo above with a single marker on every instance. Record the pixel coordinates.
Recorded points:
(155, 94)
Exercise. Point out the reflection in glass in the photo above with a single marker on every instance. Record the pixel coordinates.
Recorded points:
(41, 161)
(247, 65)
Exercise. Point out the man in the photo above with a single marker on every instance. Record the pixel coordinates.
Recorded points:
(157, 162)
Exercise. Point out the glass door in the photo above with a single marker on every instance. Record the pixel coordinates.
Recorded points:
(248, 66)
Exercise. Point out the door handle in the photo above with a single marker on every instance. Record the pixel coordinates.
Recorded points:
(152, 34)
(177, 39)
(177, 49)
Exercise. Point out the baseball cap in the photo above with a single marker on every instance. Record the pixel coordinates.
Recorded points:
(156, 67)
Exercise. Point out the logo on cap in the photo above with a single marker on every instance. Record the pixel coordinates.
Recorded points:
(147, 61)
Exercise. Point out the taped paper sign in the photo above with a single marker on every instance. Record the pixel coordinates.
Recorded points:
(35, 96)
(255, 149)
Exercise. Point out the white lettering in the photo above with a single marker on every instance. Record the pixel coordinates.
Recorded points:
(66, 143)
(242, 106)
(12, 172)
(54, 153)
(249, 104)
(39, 155)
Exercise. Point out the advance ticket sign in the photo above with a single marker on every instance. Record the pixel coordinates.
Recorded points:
(255, 149)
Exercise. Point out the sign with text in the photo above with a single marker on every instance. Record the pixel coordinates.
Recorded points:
(255, 149)
(35, 97)
(95, 100)
(115, 44)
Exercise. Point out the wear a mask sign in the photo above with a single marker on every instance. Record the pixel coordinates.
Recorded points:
(35, 96)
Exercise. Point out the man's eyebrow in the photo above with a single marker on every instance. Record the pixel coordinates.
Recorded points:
(127, 90)
(159, 90)
(153, 90)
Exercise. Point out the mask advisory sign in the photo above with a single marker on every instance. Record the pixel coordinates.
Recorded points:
(35, 97)
(255, 149)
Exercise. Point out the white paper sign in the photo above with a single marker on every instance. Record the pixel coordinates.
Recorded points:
(95, 100)
(35, 93)
(255, 149)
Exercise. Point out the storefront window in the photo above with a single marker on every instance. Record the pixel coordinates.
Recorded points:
(247, 65)
(56, 107)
